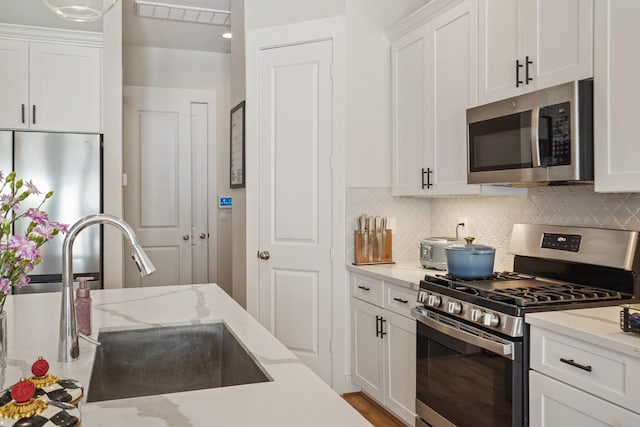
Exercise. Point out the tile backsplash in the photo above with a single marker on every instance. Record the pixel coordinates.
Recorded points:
(490, 219)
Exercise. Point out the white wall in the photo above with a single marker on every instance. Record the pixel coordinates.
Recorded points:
(186, 69)
(369, 89)
(238, 236)
(113, 274)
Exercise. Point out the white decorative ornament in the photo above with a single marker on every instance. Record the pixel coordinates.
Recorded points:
(80, 10)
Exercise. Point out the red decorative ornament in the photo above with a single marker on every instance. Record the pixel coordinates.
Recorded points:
(40, 367)
(23, 391)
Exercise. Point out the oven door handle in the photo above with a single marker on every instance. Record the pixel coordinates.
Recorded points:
(500, 347)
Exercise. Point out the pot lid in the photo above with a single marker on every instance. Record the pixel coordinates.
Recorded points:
(470, 247)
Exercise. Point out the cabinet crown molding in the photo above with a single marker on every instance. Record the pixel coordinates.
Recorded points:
(417, 18)
(55, 35)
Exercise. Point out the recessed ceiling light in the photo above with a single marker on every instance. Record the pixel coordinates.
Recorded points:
(226, 35)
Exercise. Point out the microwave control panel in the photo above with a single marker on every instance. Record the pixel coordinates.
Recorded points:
(554, 130)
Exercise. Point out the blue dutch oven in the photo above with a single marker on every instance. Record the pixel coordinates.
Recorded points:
(470, 261)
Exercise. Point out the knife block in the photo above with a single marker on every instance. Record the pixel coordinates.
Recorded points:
(370, 255)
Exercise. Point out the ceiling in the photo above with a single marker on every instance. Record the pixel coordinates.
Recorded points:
(137, 31)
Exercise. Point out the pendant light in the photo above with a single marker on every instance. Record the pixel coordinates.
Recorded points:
(80, 10)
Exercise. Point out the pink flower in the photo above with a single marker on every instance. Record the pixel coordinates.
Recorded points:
(5, 285)
(37, 216)
(64, 228)
(23, 281)
(23, 247)
(45, 231)
(9, 202)
(31, 187)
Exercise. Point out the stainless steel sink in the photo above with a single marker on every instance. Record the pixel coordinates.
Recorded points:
(158, 360)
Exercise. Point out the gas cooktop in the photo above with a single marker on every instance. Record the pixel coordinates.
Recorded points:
(524, 290)
(555, 268)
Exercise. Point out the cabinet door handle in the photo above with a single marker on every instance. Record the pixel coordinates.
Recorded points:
(518, 66)
(526, 71)
(33, 114)
(404, 301)
(378, 325)
(22, 112)
(364, 288)
(428, 173)
(571, 362)
(382, 332)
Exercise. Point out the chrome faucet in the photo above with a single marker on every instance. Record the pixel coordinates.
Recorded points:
(68, 349)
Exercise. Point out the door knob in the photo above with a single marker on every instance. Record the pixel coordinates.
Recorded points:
(265, 255)
(203, 236)
(185, 237)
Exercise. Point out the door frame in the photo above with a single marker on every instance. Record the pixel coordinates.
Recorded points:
(266, 38)
(194, 96)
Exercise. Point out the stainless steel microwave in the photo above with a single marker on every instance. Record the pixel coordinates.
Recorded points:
(539, 137)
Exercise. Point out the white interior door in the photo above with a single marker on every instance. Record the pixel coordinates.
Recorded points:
(295, 210)
(165, 140)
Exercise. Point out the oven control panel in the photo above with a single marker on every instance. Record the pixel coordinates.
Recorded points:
(561, 242)
(506, 324)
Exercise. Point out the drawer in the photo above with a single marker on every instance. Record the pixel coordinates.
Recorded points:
(400, 299)
(597, 370)
(367, 289)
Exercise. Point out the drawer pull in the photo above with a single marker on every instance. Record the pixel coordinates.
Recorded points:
(404, 301)
(364, 288)
(571, 362)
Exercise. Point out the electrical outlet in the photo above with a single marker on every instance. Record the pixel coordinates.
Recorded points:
(391, 225)
(463, 230)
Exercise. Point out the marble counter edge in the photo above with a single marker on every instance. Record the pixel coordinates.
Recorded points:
(598, 326)
(407, 274)
(234, 405)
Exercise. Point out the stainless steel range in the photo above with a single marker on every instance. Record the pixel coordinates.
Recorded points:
(472, 345)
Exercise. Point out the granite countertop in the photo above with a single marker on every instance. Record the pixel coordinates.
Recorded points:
(599, 326)
(295, 397)
(403, 273)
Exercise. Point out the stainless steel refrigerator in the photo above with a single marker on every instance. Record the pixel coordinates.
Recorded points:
(69, 164)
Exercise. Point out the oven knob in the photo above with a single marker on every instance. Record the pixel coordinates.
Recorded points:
(434, 301)
(490, 319)
(454, 307)
(476, 315)
(422, 296)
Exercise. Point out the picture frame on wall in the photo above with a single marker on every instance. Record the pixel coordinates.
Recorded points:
(236, 166)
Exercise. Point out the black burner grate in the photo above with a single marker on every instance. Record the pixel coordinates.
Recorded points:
(543, 293)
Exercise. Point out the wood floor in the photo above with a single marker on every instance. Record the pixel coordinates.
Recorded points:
(373, 412)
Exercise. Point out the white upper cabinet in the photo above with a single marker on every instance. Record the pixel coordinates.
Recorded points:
(527, 45)
(48, 85)
(64, 87)
(14, 83)
(434, 63)
(616, 95)
(433, 82)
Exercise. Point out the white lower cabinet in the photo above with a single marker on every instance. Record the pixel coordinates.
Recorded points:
(576, 383)
(554, 404)
(383, 354)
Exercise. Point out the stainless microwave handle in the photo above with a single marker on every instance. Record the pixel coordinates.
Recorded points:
(535, 137)
(500, 347)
